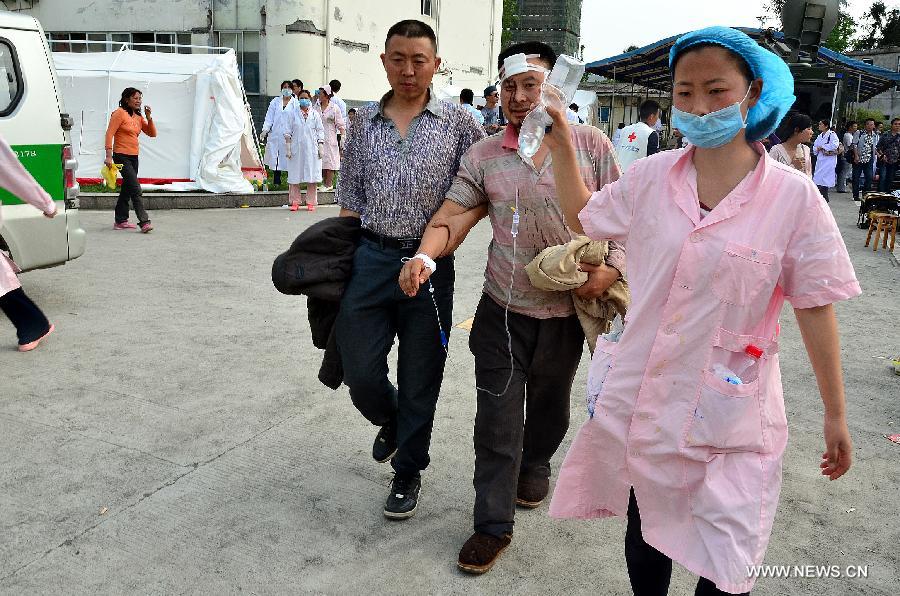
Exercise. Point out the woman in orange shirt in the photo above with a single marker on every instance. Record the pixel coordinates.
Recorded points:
(125, 124)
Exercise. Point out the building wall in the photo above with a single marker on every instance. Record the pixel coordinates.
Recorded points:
(554, 22)
(314, 40)
(346, 42)
(887, 103)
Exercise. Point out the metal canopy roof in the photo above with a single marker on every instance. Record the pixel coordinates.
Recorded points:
(649, 66)
(867, 79)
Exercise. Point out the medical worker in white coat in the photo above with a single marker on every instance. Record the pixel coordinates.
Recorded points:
(306, 138)
(277, 123)
(825, 148)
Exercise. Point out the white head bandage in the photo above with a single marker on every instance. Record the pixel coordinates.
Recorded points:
(517, 64)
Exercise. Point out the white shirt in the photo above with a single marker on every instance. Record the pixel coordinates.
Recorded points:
(616, 136)
(341, 105)
(476, 113)
(632, 144)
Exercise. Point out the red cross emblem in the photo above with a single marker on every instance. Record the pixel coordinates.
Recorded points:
(632, 137)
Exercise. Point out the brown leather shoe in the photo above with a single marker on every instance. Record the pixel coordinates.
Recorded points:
(531, 492)
(481, 551)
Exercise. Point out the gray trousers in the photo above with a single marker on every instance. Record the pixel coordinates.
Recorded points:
(845, 168)
(517, 433)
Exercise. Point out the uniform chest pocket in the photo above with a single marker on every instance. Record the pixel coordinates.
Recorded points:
(742, 273)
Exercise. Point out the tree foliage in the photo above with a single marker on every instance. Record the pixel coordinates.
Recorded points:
(860, 115)
(841, 37)
(881, 29)
(510, 20)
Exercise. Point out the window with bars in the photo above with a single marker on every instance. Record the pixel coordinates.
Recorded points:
(604, 114)
(111, 42)
(246, 47)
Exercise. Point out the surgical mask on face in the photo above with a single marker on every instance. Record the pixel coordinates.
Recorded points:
(304, 103)
(714, 129)
(285, 93)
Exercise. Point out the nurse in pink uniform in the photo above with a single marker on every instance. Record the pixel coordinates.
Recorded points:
(32, 326)
(715, 247)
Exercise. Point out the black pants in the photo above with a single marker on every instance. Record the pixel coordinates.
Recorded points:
(864, 169)
(29, 321)
(648, 569)
(277, 178)
(131, 189)
(518, 432)
(374, 310)
(823, 190)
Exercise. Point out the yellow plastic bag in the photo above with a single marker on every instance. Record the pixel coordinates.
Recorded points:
(110, 175)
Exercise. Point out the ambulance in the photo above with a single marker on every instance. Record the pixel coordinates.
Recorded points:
(34, 123)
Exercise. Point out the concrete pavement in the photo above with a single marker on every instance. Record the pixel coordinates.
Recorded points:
(171, 437)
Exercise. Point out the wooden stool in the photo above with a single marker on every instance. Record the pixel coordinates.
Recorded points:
(882, 224)
(873, 224)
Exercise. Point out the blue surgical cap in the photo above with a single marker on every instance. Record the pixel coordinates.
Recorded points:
(777, 81)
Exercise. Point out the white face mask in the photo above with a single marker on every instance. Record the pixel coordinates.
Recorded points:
(714, 129)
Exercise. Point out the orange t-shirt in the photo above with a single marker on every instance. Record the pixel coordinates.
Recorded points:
(125, 129)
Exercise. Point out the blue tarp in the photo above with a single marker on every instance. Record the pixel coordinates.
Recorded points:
(649, 66)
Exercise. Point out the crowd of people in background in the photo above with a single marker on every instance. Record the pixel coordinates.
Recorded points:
(848, 158)
(303, 133)
(863, 157)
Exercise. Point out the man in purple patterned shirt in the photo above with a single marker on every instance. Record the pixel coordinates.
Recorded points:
(398, 164)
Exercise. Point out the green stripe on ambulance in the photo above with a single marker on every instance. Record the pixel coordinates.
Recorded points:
(44, 162)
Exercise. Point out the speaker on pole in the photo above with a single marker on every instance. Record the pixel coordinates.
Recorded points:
(807, 24)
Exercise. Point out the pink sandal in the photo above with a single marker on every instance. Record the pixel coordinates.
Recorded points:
(32, 345)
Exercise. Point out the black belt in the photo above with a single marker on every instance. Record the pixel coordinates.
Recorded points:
(388, 242)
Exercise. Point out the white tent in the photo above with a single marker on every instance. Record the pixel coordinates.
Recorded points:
(587, 106)
(204, 130)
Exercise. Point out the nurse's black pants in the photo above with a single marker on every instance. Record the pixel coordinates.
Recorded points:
(648, 569)
(26, 317)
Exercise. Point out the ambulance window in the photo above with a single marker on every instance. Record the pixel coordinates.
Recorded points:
(10, 79)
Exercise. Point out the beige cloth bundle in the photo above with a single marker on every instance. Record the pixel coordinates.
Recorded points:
(556, 269)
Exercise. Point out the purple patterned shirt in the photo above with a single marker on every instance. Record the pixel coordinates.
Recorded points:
(397, 184)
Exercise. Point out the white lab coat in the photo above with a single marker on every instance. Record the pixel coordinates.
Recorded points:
(305, 165)
(277, 123)
(825, 174)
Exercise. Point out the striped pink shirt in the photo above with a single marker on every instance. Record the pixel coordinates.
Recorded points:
(492, 172)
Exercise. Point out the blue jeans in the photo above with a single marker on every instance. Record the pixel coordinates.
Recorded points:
(886, 173)
(866, 170)
(374, 310)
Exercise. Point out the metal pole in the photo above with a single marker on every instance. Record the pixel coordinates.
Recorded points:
(630, 102)
(834, 102)
(612, 102)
